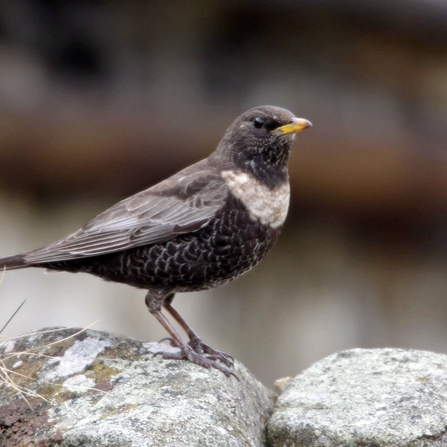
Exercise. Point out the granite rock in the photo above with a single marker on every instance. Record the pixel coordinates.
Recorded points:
(365, 397)
(92, 388)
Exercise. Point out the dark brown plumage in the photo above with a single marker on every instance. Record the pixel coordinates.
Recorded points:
(198, 229)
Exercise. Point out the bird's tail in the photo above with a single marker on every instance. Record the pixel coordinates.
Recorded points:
(13, 262)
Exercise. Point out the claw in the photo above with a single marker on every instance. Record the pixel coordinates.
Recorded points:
(170, 340)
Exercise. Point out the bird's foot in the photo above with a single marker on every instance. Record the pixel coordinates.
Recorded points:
(202, 348)
(187, 353)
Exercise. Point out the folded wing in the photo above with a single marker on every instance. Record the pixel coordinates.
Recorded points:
(183, 203)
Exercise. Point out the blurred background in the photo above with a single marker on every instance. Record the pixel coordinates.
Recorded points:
(99, 100)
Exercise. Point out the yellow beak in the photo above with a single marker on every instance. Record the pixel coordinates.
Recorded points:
(296, 126)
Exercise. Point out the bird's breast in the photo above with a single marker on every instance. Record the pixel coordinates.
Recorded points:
(266, 205)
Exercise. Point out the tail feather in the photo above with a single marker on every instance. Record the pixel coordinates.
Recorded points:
(13, 262)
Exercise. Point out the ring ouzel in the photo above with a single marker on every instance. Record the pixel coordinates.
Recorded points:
(196, 230)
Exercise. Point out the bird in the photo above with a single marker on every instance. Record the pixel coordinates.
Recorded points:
(198, 229)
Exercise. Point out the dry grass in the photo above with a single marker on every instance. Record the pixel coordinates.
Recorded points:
(8, 376)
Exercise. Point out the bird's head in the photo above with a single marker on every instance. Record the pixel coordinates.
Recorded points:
(259, 140)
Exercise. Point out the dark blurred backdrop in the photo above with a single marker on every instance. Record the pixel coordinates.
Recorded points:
(100, 99)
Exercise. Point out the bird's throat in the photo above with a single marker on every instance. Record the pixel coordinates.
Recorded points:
(268, 167)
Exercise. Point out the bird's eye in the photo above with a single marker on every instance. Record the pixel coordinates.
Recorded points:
(259, 122)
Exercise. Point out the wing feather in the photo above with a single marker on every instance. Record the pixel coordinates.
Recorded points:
(183, 203)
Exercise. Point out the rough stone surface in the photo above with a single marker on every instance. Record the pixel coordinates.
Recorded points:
(367, 398)
(105, 390)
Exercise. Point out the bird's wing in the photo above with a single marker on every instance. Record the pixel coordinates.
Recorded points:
(182, 203)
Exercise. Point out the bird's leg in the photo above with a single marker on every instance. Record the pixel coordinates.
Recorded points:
(195, 341)
(154, 302)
